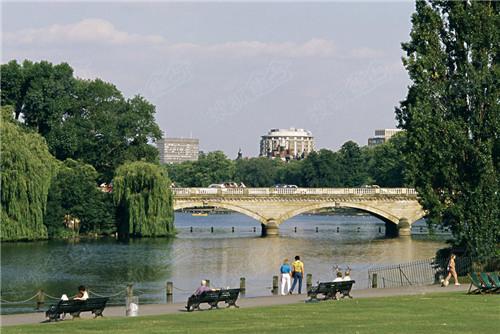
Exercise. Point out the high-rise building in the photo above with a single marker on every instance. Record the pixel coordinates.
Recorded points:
(176, 150)
(287, 143)
(381, 136)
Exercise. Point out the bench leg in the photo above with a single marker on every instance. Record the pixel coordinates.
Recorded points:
(98, 313)
(232, 303)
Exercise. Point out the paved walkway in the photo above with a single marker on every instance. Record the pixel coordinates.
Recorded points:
(157, 309)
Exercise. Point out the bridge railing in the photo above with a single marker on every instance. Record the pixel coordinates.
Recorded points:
(293, 191)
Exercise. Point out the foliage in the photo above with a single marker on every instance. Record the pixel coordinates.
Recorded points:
(144, 201)
(352, 165)
(321, 169)
(257, 172)
(452, 118)
(386, 163)
(87, 120)
(74, 194)
(27, 169)
(41, 93)
(213, 167)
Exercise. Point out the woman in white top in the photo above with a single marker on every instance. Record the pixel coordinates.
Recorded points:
(82, 293)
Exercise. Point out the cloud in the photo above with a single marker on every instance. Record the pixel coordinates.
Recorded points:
(85, 31)
(99, 31)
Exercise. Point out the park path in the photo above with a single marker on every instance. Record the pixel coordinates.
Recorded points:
(158, 309)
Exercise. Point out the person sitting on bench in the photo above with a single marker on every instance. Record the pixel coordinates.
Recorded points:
(339, 277)
(82, 293)
(203, 287)
(347, 275)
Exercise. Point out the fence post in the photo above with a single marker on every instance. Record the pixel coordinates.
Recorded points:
(309, 278)
(374, 280)
(40, 299)
(242, 286)
(170, 292)
(275, 285)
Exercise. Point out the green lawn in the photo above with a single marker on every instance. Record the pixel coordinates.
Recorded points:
(449, 313)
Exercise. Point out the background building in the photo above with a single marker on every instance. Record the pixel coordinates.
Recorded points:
(176, 150)
(381, 136)
(287, 143)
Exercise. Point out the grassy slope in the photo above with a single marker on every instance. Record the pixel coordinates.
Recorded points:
(438, 313)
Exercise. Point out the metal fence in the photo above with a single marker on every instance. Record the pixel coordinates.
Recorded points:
(421, 272)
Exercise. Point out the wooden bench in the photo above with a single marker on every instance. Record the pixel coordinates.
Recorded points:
(212, 298)
(329, 290)
(75, 307)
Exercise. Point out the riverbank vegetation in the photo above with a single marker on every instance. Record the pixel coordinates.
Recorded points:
(62, 137)
(434, 313)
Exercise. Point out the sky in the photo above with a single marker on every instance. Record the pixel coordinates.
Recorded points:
(227, 73)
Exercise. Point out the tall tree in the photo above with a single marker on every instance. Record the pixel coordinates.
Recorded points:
(27, 169)
(353, 169)
(144, 201)
(41, 93)
(452, 118)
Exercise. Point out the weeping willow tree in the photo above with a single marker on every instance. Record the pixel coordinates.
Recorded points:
(144, 200)
(27, 169)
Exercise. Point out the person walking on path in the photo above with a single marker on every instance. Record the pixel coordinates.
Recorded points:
(286, 273)
(451, 271)
(298, 274)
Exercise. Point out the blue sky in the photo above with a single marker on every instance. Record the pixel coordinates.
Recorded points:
(226, 73)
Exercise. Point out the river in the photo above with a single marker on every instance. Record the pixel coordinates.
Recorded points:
(105, 266)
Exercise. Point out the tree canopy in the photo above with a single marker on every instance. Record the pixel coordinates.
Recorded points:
(74, 195)
(27, 169)
(142, 194)
(87, 120)
(452, 118)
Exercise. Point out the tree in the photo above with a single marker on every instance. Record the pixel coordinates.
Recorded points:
(87, 120)
(27, 169)
(386, 164)
(257, 172)
(213, 167)
(106, 130)
(452, 118)
(41, 93)
(352, 166)
(74, 195)
(321, 169)
(144, 201)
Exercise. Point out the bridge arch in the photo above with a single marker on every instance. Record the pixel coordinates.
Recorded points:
(223, 205)
(381, 214)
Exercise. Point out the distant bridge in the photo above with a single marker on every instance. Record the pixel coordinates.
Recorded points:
(397, 207)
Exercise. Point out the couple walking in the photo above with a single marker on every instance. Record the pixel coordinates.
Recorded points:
(295, 270)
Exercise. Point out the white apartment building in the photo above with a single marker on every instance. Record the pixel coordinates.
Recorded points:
(286, 143)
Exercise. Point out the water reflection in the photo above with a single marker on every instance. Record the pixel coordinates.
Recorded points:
(106, 266)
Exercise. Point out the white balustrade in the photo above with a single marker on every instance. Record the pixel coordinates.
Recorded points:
(293, 191)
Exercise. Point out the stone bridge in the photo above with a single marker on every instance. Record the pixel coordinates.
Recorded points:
(397, 207)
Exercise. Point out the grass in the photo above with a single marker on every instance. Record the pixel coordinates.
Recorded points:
(433, 313)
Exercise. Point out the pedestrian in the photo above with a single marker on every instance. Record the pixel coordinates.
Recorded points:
(451, 272)
(297, 273)
(286, 273)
